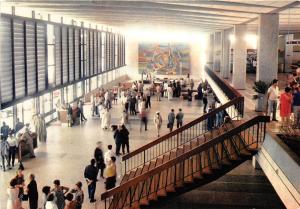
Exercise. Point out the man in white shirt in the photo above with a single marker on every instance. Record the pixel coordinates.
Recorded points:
(272, 97)
(108, 154)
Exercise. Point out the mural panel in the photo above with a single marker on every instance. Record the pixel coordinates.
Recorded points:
(164, 58)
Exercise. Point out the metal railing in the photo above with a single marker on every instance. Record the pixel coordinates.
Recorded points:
(178, 137)
(226, 147)
(196, 128)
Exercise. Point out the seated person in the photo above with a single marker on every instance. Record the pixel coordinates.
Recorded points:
(28, 139)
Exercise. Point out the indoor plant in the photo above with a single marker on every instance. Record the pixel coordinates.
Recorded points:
(261, 88)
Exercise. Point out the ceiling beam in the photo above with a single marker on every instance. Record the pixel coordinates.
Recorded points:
(136, 4)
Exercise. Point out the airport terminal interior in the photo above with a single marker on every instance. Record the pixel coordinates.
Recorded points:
(149, 104)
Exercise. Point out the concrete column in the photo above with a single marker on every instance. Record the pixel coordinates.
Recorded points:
(239, 57)
(225, 68)
(217, 51)
(267, 50)
(210, 50)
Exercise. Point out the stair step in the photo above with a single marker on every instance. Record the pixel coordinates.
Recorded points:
(207, 171)
(170, 189)
(162, 193)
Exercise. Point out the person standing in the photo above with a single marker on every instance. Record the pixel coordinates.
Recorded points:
(199, 90)
(26, 137)
(32, 192)
(192, 84)
(144, 119)
(125, 139)
(60, 192)
(98, 155)
(11, 140)
(111, 174)
(158, 92)
(148, 98)
(171, 120)
(108, 154)
(157, 122)
(50, 203)
(179, 118)
(78, 196)
(4, 152)
(20, 183)
(272, 98)
(286, 99)
(70, 116)
(71, 204)
(46, 191)
(205, 101)
(13, 201)
(296, 107)
(4, 131)
(106, 117)
(90, 175)
(80, 106)
(118, 139)
(170, 92)
(19, 125)
(190, 95)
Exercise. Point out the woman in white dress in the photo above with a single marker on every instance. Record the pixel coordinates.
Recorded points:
(106, 117)
(13, 201)
(50, 204)
(170, 93)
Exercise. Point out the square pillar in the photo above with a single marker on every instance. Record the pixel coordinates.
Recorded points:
(225, 68)
(267, 50)
(239, 57)
(210, 51)
(217, 51)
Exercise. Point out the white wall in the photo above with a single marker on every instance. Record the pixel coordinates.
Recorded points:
(197, 52)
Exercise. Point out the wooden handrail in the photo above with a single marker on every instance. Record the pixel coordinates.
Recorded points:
(184, 127)
(184, 156)
(233, 90)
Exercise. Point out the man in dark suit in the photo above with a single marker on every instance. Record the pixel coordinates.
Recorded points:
(90, 174)
(32, 192)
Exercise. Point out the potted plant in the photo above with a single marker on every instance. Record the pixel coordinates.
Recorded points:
(261, 88)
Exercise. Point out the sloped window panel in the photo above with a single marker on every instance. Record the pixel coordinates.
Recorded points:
(95, 53)
(41, 55)
(57, 33)
(65, 55)
(30, 56)
(6, 60)
(99, 51)
(77, 58)
(86, 53)
(71, 57)
(19, 58)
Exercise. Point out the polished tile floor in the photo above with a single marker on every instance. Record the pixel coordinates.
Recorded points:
(69, 150)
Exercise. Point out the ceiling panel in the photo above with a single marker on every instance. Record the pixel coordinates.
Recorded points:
(209, 14)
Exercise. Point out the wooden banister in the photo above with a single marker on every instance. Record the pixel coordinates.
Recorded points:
(235, 131)
(184, 127)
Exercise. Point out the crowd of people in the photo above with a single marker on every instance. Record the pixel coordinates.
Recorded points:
(11, 140)
(288, 100)
(136, 102)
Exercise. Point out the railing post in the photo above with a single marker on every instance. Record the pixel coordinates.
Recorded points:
(257, 135)
(125, 166)
(144, 156)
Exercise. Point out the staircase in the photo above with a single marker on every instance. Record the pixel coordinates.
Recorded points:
(188, 157)
(190, 166)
